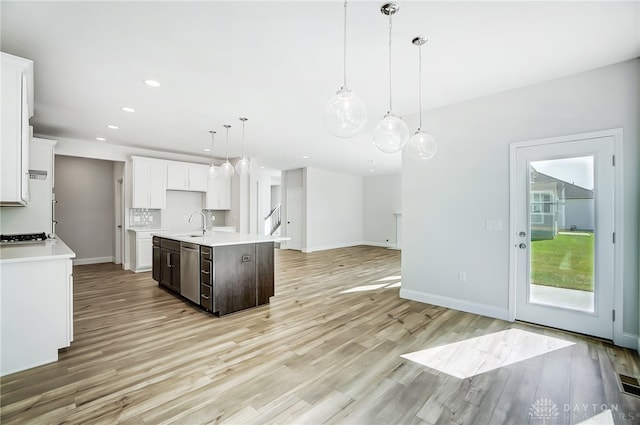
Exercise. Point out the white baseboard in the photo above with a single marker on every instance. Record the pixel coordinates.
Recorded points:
(456, 304)
(332, 246)
(94, 260)
(389, 245)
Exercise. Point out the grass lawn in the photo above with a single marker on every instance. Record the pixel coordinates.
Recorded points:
(564, 262)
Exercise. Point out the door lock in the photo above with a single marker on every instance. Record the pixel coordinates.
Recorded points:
(522, 246)
(522, 234)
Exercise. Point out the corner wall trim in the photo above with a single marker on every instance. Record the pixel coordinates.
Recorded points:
(456, 304)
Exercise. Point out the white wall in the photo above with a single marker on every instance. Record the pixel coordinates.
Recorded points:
(334, 210)
(85, 208)
(180, 205)
(446, 202)
(381, 200)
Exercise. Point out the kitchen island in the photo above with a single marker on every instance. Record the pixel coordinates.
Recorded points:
(221, 272)
(36, 303)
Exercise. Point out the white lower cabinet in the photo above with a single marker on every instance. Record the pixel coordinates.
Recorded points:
(143, 249)
(36, 312)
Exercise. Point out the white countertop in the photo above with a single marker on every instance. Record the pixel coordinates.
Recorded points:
(52, 249)
(214, 239)
(146, 229)
(173, 231)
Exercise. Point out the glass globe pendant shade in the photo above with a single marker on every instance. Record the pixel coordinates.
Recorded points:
(345, 114)
(391, 134)
(213, 171)
(243, 166)
(422, 146)
(226, 170)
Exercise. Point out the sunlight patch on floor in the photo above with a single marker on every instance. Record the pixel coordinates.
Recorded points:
(478, 355)
(604, 418)
(365, 288)
(388, 278)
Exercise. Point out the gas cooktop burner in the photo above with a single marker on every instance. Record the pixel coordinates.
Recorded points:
(24, 237)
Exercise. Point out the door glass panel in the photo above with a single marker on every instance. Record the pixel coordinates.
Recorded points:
(562, 233)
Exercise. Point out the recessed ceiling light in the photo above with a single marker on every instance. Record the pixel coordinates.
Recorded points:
(128, 109)
(101, 139)
(112, 127)
(152, 83)
(207, 150)
(305, 156)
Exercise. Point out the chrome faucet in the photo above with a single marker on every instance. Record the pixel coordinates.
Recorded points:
(204, 220)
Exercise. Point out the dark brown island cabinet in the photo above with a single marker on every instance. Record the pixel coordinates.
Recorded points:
(230, 278)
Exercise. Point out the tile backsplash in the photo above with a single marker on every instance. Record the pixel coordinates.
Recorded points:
(144, 217)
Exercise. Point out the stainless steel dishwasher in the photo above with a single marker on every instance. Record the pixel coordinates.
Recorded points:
(190, 271)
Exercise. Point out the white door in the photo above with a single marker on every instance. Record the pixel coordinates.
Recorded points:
(564, 234)
(294, 218)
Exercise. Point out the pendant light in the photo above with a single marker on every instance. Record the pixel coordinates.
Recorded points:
(391, 133)
(226, 169)
(243, 165)
(345, 114)
(213, 170)
(422, 146)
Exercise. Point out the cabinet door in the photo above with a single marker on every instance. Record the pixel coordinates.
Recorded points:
(141, 183)
(169, 269)
(198, 178)
(155, 272)
(177, 176)
(157, 185)
(175, 271)
(14, 142)
(235, 278)
(144, 253)
(265, 277)
(24, 141)
(218, 194)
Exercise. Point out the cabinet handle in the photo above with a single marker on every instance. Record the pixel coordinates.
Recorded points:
(205, 297)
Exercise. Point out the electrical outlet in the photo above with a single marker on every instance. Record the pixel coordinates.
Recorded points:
(462, 277)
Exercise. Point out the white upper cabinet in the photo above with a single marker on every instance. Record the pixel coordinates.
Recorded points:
(218, 194)
(149, 184)
(17, 108)
(184, 176)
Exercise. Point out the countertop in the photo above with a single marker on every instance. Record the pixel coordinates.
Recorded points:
(214, 239)
(168, 231)
(52, 249)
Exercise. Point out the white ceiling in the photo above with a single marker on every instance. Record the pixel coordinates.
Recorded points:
(278, 63)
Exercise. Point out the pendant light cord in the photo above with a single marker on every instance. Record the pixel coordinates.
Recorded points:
(212, 136)
(227, 145)
(243, 139)
(344, 53)
(390, 27)
(420, 84)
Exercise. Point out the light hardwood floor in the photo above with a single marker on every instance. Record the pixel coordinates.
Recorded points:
(321, 352)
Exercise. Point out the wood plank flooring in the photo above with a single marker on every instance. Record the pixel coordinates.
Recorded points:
(317, 354)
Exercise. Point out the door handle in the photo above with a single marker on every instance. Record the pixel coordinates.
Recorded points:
(522, 246)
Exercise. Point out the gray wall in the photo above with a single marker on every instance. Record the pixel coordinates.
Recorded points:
(446, 202)
(85, 209)
(334, 209)
(381, 200)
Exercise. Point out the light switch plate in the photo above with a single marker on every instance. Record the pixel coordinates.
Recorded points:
(495, 225)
